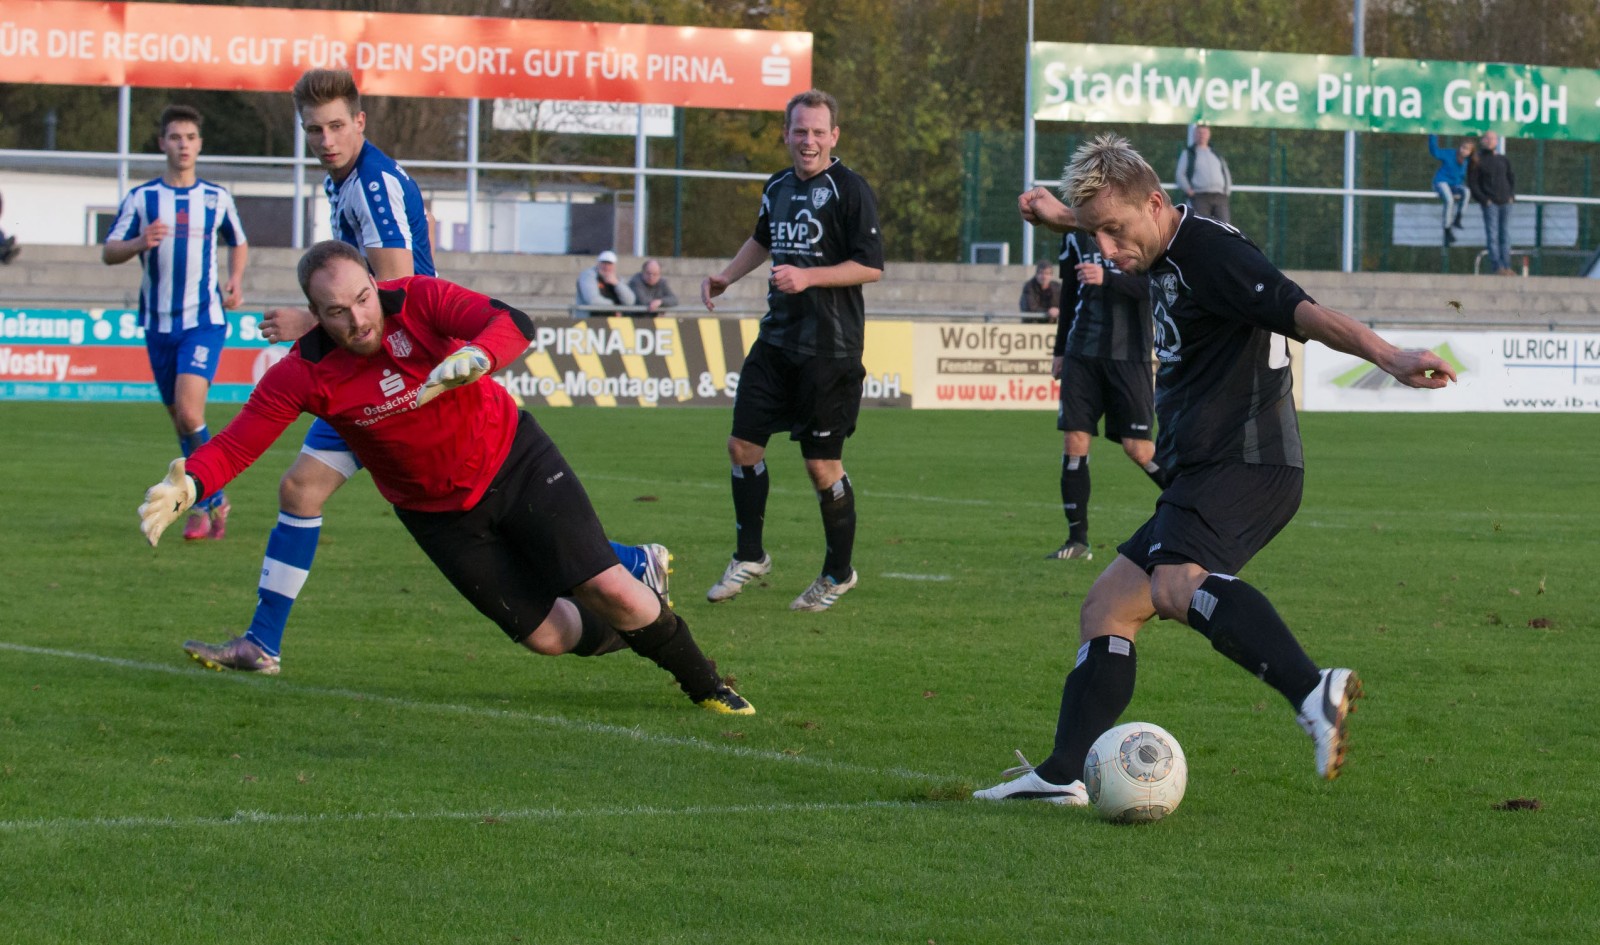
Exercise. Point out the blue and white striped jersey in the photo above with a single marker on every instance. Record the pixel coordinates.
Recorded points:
(379, 205)
(181, 289)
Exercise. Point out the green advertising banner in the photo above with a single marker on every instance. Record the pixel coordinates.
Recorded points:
(1152, 85)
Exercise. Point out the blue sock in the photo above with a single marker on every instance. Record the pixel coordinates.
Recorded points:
(633, 558)
(189, 443)
(290, 548)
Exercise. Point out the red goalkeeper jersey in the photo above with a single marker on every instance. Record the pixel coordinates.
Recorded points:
(440, 457)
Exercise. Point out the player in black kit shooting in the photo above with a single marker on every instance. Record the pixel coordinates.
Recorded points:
(1102, 358)
(819, 222)
(1228, 434)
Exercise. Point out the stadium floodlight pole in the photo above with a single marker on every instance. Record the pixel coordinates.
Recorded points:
(472, 171)
(639, 155)
(124, 116)
(299, 213)
(1360, 49)
(1027, 135)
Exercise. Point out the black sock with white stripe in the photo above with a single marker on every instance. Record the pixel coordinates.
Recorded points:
(750, 487)
(1098, 689)
(1075, 496)
(1243, 626)
(838, 528)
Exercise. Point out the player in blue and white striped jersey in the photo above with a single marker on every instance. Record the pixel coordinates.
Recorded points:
(173, 224)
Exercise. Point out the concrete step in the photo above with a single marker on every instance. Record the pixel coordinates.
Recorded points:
(74, 276)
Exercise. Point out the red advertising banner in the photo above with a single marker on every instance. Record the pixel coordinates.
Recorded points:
(66, 42)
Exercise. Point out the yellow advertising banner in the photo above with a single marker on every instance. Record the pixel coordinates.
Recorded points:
(670, 362)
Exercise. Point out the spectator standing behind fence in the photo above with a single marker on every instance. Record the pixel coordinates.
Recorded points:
(1041, 295)
(650, 289)
(1203, 175)
(1494, 188)
(599, 284)
(1450, 182)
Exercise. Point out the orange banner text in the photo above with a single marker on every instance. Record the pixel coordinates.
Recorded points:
(66, 42)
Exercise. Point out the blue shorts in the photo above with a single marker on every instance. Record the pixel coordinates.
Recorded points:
(325, 444)
(194, 351)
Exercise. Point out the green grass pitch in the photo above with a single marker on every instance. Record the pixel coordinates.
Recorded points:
(412, 777)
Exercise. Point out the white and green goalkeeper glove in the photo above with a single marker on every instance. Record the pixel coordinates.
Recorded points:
(463, 367)
(165, 501)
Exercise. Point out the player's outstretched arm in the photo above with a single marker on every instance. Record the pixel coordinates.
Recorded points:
(749, 256)
(1042, 208)
(166, 500)
(465, 365)
(1343, 333)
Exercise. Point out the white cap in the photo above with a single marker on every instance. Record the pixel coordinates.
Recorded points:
(608, 256)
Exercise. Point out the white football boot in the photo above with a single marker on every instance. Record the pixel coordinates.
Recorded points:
(1026, 785)
(1323, 715)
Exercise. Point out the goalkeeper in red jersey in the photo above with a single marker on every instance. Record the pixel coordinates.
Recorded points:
(481, 487)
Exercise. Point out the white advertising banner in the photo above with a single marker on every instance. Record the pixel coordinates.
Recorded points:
(1530, 372)
(583, 118)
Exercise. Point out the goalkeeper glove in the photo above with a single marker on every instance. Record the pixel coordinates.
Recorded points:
(463, 367)
(165, 501)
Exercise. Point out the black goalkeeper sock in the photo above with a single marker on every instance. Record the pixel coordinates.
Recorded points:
(667, 642)
(599, 637)
(838, 528)
(1098, 689)
(1243, 626)
(750, 486)
(1075, 496)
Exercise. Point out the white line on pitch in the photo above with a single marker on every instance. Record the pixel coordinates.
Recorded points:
(550, 721)
(246, 818)
(916, 577)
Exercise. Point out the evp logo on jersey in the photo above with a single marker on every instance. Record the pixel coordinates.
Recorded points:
(797, 235)
(1164, 292)
(391, 383)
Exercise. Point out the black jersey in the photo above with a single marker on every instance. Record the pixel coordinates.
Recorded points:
(826, 220)
(1111, 320)
(1221, 314)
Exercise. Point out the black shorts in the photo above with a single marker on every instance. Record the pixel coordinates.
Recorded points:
(532, 538)
(1217, 516)
(1121, 391)
(816, 399)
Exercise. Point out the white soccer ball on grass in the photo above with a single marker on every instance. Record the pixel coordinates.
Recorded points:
(1135, 773)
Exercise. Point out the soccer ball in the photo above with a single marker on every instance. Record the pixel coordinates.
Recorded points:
(1135, 773)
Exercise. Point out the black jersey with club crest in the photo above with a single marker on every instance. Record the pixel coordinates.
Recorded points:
(1110, 320)
(826, 220)
(1222, 315)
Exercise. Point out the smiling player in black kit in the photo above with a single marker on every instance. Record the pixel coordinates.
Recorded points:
(1228, 433)
(819, 223)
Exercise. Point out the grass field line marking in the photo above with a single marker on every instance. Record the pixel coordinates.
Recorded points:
(450, 708)
(245, 818)
(1362, 518)
(900, 575)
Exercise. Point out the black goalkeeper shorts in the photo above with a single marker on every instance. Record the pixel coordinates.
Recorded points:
(532, 538)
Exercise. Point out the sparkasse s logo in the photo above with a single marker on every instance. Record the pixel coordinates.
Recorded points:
(775, 69)
(392, 383)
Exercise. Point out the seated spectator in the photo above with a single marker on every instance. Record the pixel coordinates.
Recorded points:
(1450, 181)
(1041, 295)
(599, 284)
(650, 289)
